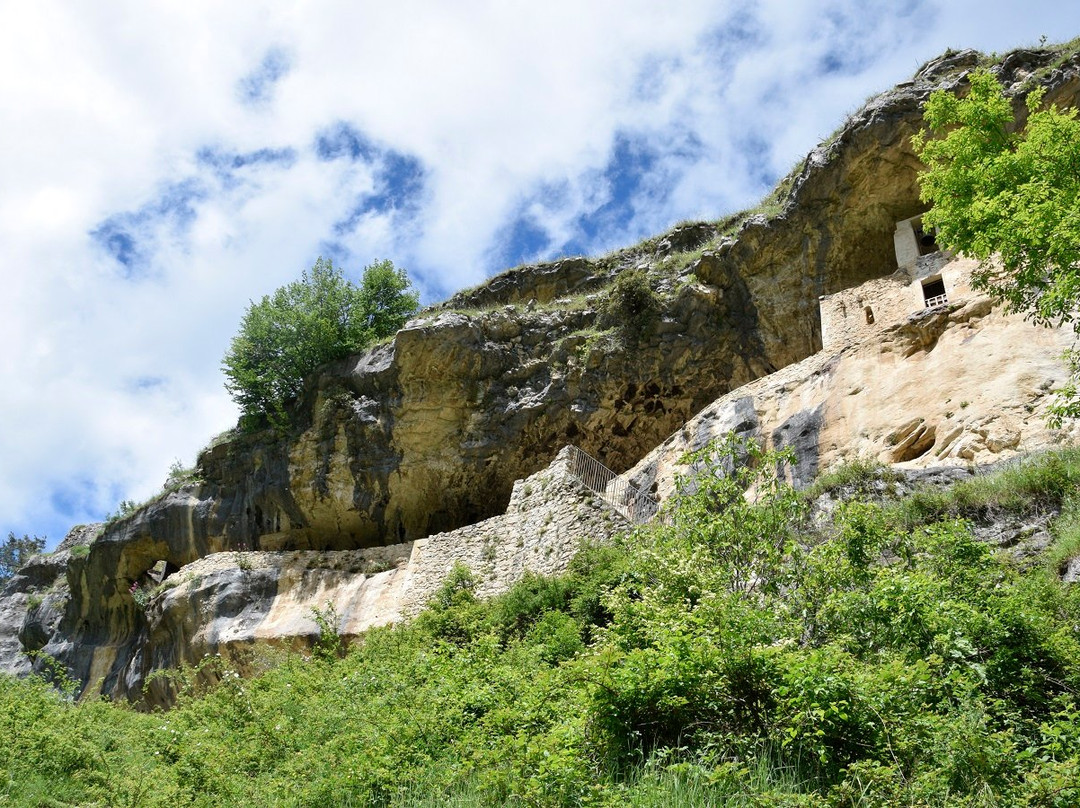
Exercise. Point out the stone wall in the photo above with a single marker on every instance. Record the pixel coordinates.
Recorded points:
(549, 515)
(864, 311)
(955, 384)
(238, 604)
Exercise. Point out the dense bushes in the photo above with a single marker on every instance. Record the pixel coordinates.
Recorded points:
(861, 663)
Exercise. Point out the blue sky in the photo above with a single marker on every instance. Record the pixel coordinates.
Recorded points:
(165, 163)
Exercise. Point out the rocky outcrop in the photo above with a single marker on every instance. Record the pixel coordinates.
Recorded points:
(241, 604)
(34, 601)
(958, 384)
(425, 434)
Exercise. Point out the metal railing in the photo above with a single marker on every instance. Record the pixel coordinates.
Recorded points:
(635, 505)
(936, 300)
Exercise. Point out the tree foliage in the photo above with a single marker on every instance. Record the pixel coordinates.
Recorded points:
(305, 324)
(15, 552)
(1013, 194)
(1011, 198)
(857, 659)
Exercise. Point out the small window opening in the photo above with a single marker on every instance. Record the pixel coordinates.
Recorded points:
(926, 239)
(934, 293)
(869, 315)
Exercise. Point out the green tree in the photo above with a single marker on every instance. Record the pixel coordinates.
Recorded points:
(1010, 198)
(305, 324)
(15, 552)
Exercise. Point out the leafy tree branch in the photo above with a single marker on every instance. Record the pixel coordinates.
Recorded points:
(1008, 197)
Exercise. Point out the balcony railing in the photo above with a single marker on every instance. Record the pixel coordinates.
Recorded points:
(936, 300)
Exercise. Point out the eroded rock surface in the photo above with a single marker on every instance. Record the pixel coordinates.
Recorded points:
(34, 601)
(955, 385)
(238, 604)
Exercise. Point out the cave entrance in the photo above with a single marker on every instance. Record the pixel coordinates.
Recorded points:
(933, 291)
(160, 571)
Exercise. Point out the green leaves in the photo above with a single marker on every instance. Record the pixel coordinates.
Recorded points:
(305, 324)
(864, 661)
(1010, 199)
(15, 552)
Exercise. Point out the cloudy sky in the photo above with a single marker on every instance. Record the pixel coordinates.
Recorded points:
(163, 163)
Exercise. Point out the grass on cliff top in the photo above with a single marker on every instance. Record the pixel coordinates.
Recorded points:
(716, 660)
(774, 202)
(1061, 52)
(622, 259)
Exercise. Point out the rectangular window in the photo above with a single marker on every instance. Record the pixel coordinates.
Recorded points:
(933, 291)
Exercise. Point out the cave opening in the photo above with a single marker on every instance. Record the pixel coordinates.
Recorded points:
(925, 238)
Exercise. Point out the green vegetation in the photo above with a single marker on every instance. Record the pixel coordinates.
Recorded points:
(1010, 199)
(125, 508)
(862, 476)
(15, 552)
(1041, 484)
(631, 308)
(179, 476)
(305, 324)
(739, 655)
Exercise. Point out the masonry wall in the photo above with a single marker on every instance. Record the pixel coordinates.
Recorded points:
(227, 603)
(853, 315)
(549, 515)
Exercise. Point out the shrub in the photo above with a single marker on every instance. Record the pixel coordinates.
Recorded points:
(632, 307)
(331, 644)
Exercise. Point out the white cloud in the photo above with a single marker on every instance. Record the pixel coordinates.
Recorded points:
(506, 107)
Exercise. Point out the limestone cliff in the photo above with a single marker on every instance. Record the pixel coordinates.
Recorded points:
(961, 383)
(426, 433)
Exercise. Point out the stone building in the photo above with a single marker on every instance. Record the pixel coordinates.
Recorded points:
(926, 277)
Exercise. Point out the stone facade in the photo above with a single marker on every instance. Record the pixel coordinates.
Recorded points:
(863, 311)
(954, 384)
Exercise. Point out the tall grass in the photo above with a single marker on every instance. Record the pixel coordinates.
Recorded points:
(1029, 486)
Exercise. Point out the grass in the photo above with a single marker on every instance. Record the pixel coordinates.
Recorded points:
(1030, 486)
(862, 476)
(657, 784)
(220, 438)
(1066, 532)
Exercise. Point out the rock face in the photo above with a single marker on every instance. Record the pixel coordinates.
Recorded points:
(237, 604)
(957, 384)
(34, 601)
(423, 436)
(427, 432)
